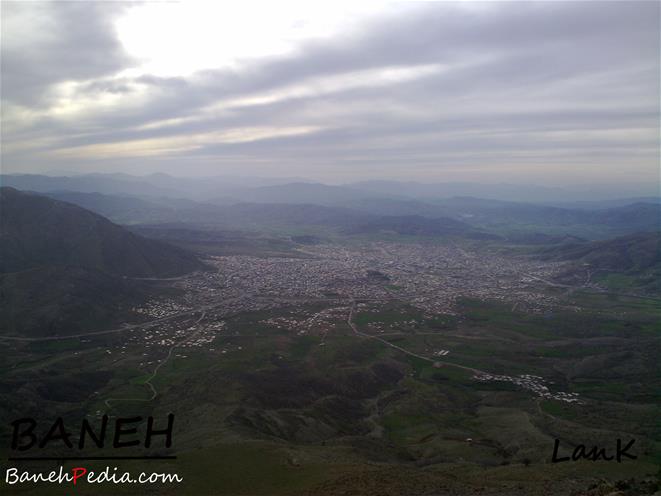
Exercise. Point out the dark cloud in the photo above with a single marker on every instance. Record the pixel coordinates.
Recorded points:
(62, 41)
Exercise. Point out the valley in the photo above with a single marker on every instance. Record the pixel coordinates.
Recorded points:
(419, 355)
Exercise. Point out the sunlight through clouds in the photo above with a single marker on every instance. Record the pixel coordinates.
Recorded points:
(178, 39)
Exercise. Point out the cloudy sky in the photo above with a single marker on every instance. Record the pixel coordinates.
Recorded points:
(554, 92)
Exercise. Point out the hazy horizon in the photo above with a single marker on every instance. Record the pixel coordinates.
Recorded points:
(201, 188)
(550, 93)
(645, 188)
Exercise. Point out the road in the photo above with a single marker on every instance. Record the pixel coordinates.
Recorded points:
(130, 327)
(354, 327)
(158, 367)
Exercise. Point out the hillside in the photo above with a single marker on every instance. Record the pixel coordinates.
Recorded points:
(642, 215)
(66, 270)
(626, 262)
(58, 300)
(634, 253)
(413, 225)
(36, 231)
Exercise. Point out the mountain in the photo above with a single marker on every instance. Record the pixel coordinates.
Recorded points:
(60, 301)
(152, 185)
(635, 253)
(412, 225)
(479, 212)
(515, 216)
(447, 190)
(256, 215)
(301, 192)
(121, 184)
(397, 207)
(508, 192)
(38, 231)
(637, 216)
(632, 261)
(120, 209)
(362, 218)
(296, 190)
(603, 204)
(66, 270)
(537, 238)
(514, 220)
(245, 216)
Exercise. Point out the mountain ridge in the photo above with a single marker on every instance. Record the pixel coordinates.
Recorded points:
(39, 231)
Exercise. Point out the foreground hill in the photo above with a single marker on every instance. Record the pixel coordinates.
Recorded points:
(65, 270)
(57, 301)
(37, 231)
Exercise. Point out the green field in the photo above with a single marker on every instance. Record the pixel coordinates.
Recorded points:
(268, 411)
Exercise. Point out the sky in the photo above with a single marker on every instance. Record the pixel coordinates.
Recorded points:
(539, 92)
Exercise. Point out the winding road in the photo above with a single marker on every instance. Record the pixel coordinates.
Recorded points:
(158, 367)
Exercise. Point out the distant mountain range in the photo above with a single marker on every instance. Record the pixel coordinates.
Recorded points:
(224, 189)
(260, 216)
(530, 193)
(512, 220)
(258, 204)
